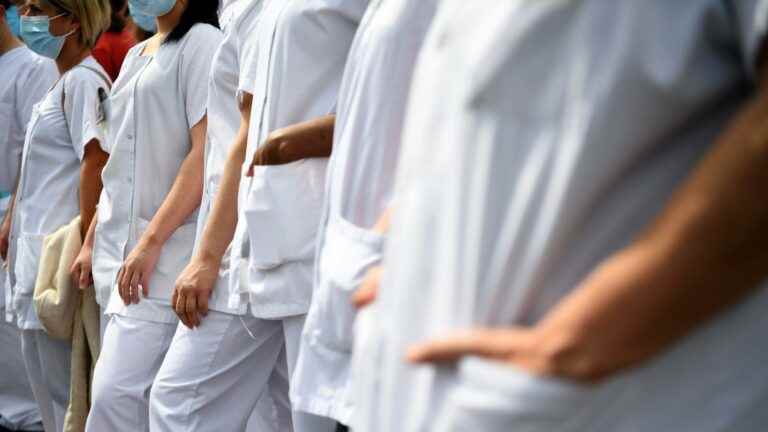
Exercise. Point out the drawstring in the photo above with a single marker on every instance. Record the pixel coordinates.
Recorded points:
(245, 326)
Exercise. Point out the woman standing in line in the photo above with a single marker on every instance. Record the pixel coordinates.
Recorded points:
(152, 189)
(64, 152)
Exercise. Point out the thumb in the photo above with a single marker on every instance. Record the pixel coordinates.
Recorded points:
(364, 296)
(145, 284)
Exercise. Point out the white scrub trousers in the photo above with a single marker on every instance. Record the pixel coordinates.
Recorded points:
(48, 364)
(214, 375)
(131, 353)
(18, 408)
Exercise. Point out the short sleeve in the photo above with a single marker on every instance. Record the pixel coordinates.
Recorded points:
(39, 79)
(83, 110)
(752, 22)
(248, 64)
(196, 62)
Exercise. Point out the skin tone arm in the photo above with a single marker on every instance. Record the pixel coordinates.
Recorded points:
(183, 198)
(705, 252)
(309, 139)
(90, 188)
(90, 183)
(83, 264)
(196, 282)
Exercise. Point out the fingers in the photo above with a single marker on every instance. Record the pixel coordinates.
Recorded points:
(144, 284)
(175, 298)
(84, 278)
(191, 311)
(74, 273)
(364, 296)
(494, 344)
(202, 306)
(180, 306)
(122, 286)
(369, 288)
(134, 287)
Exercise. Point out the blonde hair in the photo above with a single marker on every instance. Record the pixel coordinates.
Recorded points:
(94, 16)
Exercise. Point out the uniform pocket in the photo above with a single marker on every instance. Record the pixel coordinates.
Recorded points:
(347, 253)
(495, 397)
(282, 212)
(27, 261)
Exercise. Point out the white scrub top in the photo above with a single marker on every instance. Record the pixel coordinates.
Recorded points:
(155, 102)
(25, 77)
(302, 46)
(49, 183)
(224, 122)
(562, 128)
(361, 174)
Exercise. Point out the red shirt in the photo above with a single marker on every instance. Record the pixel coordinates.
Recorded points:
(110, 50)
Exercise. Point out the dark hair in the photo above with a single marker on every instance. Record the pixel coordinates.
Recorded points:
(118, 21)
(6, 4)
(197, 11)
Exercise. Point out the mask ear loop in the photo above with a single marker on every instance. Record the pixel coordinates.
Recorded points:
(71, 32)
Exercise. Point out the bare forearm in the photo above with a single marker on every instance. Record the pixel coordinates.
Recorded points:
(90, 184)
(181, 201)
(220, 226)
(316, 140)
(705, 252)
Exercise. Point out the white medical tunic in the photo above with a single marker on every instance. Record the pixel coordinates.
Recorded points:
(49, 184)
(155, 101)
(25, 77)
(302, 48)
(361, 174)
(559, 130)
(239, 21)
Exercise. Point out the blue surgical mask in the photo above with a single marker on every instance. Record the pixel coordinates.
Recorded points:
(34, 31)
(144, 21)
(12, 18)
(153, 8)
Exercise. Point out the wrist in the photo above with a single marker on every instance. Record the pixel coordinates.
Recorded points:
(208, 259)
(150, 241)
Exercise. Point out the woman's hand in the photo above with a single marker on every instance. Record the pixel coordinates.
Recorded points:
(369, 288)
(274, 150)
(193, 289)
(136, 271)
(309, 139)
(81, 268)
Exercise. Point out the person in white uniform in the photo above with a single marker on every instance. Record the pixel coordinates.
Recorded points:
(301, 48)
(63, 154)
(369, 121)
(153, 181)
(238, 20)
(18, 409)
(592, 213)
